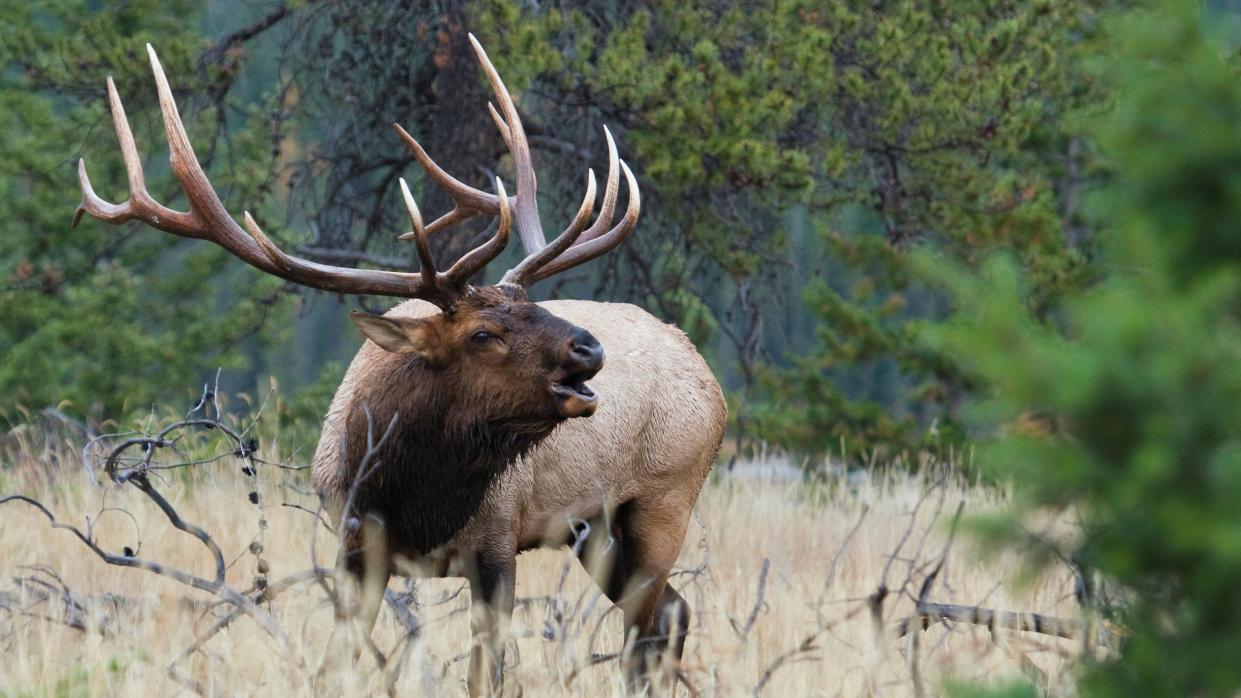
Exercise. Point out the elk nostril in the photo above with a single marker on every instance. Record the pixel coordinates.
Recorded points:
(586, 353)
(582, 352)
(585, 349)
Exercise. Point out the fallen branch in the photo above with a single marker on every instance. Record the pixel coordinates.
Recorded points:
(928, 614)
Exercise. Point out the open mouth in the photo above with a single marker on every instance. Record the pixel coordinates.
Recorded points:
(573, 397)
(574, 385)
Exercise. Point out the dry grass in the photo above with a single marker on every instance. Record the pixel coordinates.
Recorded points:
(826, 548)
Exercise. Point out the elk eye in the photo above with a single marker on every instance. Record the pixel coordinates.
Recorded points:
(482, 337)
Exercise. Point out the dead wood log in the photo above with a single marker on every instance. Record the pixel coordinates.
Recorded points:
(928, 614)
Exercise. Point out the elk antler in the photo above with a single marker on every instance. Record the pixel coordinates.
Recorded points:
(577, 243)
(207, 219)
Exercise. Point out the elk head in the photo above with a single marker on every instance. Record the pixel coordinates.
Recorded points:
(490, 344)
(509, 358)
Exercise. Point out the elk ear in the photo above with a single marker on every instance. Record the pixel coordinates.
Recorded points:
(402, 335)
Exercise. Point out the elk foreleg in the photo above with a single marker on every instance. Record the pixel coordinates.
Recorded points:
(492, 574)
(359, 593)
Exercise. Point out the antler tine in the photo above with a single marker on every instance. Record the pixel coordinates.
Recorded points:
(469, 202)
(140, 205)
(499, 122)
(609, 193)
(527, 208)
(426, 261)
(520, 274)
(585, 251)
(459, 274)
(214, 221)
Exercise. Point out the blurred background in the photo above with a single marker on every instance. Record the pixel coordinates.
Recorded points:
(790, 156)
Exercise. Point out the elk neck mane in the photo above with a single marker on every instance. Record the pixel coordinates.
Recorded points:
(430, 475)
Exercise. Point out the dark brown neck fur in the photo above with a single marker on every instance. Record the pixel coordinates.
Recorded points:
(431, 474)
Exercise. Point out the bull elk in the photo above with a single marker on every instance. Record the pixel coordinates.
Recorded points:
(495, 443)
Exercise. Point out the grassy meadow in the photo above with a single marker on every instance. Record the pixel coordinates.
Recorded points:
(780, 575)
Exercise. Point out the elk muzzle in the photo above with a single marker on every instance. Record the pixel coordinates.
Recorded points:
(581, 359)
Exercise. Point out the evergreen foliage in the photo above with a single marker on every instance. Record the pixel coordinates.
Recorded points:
(107, 320)
(1139, 376)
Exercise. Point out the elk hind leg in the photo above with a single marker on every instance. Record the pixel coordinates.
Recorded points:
(641, 550)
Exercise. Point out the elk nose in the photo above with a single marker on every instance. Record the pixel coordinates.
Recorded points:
(585, 352)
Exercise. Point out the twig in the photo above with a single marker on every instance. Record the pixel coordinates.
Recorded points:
(912, 655)
(809, 644)
(830, 577)
(224, 621)
(744, 630)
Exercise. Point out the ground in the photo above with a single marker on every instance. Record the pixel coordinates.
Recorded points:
(781, 575)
